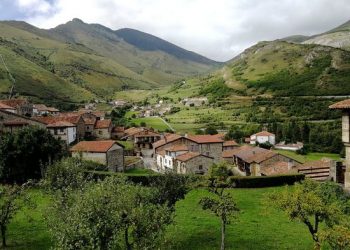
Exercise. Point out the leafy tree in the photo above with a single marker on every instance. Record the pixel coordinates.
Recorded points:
(171, 188)
(24, 153)
(220, 203)
(338, 237)
(11, 201)
(109, 214)
(312, 203)
(143, 124)
(211, 130)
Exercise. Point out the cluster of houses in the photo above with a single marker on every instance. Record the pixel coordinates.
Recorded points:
(184, 154)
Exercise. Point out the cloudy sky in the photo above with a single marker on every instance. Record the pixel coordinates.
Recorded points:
(218, 29)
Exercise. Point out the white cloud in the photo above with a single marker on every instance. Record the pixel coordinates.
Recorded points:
(34, 6)
(218, 29)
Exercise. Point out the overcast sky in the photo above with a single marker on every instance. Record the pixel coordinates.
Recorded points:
(218, 29)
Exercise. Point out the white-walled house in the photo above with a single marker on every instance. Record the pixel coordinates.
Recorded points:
(263, 137)
(63, 130)
(166, 158)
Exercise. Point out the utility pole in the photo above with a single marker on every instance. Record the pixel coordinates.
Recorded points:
(12, 79)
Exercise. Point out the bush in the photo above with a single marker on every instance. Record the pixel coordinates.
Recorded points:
(265, 181)
(199, 180)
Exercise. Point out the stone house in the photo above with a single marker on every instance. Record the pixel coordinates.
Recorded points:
(344, 106)
(103, 129)
(257, 161)
(263, 137)
(171, 146)
(41, 109)
(11, 122)
(76, 120)
(64, 131)
(229, 145)
(143, 138)
(193, 163)
(22, 106)
(118, 132)
(108, 153)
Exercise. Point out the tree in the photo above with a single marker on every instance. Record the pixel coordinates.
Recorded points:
(109, 214)
(10, 203)
(221, 204)
(24, 153)
(312, 203)
(211, 130)
(171, 188)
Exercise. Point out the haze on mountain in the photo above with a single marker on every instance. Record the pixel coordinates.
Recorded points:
(218, 29)
(77, 61)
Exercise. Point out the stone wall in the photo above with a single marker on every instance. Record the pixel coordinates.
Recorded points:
(197, 165)
(8, 116)
(115, 158)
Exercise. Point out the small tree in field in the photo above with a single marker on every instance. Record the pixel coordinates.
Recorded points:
(10, 204)
(220, 203)
(313, 203)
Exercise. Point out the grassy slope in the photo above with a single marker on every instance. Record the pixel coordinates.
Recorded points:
(79, 71)
(152, 122)
(258, 227)
(308, 157)
(293, 69)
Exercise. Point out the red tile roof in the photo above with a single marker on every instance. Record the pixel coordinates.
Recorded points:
(167, 138)
(52, 109)
(93, 146)
(15, 123)
(60, 124)
(252, 154)
(101, 124)
(89, 120)
(231, 143)
(264, 133)
(232, 152)
(118, 129)
(40, 107)
(4, 106)
(341, 105)
(14, 102)
(53, 119)
(187, 156)
(205, 138)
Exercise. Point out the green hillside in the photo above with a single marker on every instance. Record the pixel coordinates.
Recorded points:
(282, 68)
(76, 62)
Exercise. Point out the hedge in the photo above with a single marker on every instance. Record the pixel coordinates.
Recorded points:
(265, 181)
(234, 181)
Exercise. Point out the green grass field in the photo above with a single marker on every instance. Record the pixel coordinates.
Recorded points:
(139, 171)
(258, 226)
(309, 156)
(151, 122)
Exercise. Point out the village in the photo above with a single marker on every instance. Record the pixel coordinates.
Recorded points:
(89, 133)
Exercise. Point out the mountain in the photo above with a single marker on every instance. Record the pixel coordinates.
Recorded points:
(338, 37)
(76, 61)
(288, 69)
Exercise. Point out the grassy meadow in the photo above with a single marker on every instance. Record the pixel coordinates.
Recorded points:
(309, 157)
(258, 226)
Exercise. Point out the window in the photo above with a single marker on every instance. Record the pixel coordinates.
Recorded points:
(100, 132)
(61, 130)
(200, 167)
